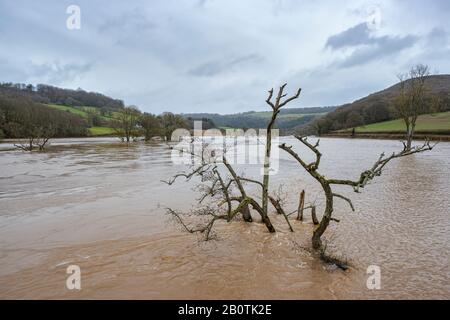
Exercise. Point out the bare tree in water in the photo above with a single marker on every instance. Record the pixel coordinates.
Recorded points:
(410, 101)
(125, 123)
(327, 183)
(36, 127)
(224, 186)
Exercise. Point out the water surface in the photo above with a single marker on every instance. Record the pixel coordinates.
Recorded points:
(101, 205)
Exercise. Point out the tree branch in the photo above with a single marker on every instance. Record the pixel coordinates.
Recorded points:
(344, 198)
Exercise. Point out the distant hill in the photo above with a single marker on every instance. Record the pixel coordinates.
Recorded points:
(53, 95)
(438, 123)
(72, 112)
(376, 107)
(287, 119)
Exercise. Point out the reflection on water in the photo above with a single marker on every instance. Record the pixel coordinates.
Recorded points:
(101, 204)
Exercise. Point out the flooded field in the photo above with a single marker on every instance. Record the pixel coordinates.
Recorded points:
(100, 204)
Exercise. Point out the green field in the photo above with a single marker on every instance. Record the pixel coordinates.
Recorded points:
(427, 122)
(69, 109)
(101, 131)
(84, 113)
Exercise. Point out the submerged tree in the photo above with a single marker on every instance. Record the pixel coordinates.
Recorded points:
(327, 183)
(150, 125)
(169, 122)
(221, 183)
(35, 126)
(125, 123)
(410, 101)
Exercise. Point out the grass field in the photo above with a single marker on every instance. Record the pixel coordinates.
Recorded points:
(101, 131)
(427, 122)
(69, 109)
(82, 111)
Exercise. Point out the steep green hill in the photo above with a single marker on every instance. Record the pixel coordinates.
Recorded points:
(434, 122)
(377, 107)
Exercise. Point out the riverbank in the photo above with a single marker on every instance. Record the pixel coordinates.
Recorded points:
(444, 136)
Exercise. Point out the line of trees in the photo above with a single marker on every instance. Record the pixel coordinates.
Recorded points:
(129, 124)
(256, 120)
(49, 94)
(34, 124)
(21, 118)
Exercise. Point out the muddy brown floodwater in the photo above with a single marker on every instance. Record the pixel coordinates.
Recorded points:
(101, 205)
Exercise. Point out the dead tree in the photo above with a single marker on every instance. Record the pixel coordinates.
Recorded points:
(229, 187)
(410, 101)
(276, 107)
(37, 136)
(221, 189)
(327, 183)
(125, 123)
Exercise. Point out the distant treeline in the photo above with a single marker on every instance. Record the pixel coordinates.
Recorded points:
(378, 107)
(24, 111)
(257, 120)
(21, 117)
(48, 94)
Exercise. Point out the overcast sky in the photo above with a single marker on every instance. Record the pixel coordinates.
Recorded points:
(220, 55)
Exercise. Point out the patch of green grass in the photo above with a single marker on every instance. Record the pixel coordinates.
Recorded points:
(426, 122)
(101, 131)
(83, 111)
(69, 109)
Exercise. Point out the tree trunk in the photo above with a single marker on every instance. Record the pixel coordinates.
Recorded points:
(411, 135)
(408, 140)
(266, 221)
(280, 210)
(314, 216)
(301, 206)
(265, 191)
(246, 213)
(318, 232)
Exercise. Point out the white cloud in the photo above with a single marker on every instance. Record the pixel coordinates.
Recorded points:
(220, 56)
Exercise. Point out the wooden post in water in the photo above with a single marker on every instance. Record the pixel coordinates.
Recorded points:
(313, 215)
(301, 206)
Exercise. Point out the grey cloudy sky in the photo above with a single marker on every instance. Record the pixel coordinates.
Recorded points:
(220, 55)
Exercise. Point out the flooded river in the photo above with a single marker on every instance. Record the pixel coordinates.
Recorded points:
(101, 205)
